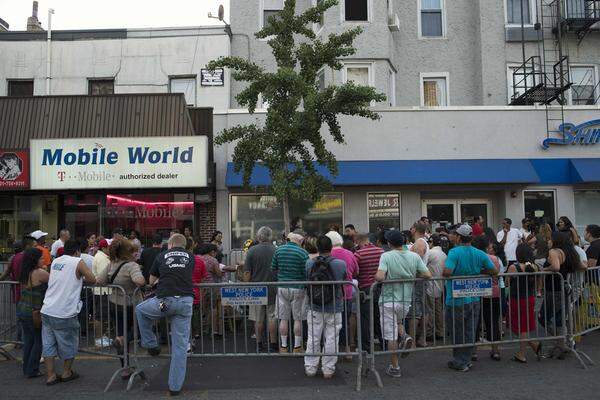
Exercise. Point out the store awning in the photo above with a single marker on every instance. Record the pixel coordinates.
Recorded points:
(586, 170)
(411, 172)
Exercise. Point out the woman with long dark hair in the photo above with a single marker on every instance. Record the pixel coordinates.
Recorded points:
(564, 224)
(562, 259)
(217, 240)
(34, 282)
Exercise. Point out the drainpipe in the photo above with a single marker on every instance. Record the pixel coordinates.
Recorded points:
(49, 52)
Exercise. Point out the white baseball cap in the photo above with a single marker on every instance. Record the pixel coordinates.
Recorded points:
(38, 234)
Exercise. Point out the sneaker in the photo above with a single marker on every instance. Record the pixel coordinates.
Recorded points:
(310, 373)
(327, 375)
(456, 367)
(407, 343)
(189, 349)
(154, 351)
(393, 372)
(298, 350)
(173, 393)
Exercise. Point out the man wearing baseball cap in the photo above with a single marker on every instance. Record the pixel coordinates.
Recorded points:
(40, 238)
(462, 314)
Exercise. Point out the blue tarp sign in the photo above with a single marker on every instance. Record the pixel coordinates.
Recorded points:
(471, 287)
(244, 296)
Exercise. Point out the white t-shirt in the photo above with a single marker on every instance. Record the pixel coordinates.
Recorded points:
(88, 260)
(512, 241)
(55, 246)
(582, 256)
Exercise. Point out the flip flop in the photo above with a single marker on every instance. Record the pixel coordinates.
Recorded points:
(55, 381)
(74, 375)
(519, 360)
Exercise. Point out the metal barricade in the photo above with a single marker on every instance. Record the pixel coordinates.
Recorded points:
(107, 314)
(473, 311)
(9, 324)
(229, 313)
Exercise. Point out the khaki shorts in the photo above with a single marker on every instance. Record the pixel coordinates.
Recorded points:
(258, 313)
(391, 315)
(291, 303)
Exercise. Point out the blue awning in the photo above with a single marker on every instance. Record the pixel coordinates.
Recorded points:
(411, 172)
(586, 169)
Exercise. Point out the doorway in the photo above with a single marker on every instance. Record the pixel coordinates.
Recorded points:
(447, 212)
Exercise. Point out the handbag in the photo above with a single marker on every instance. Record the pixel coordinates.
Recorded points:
(36, 314)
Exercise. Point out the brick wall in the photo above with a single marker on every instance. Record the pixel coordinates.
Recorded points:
(207, 220)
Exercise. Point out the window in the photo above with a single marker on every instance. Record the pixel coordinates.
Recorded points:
(540, 204)
(317, 27)
(185, 85)
(360, 74)
(517, 84)
(587, 209)
(391, 94)
(514, 15)
(432, 18)
(434, 90)
(583, 90)
(269, 8)
(384, 211)
(98, 87)
(356, 10)
(20, 87)
(250, 212)
(321, 79)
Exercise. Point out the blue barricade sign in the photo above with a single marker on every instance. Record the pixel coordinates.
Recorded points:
(471, 287)
(244, 296)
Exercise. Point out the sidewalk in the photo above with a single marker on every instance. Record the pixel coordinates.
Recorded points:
(425, 377)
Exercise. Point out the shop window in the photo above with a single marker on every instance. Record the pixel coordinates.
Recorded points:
(148, 214)
(540, 205)
(356, 10)
(20, 87)
(250, 212)
(97, 87)
(21, 215)
(384, 211)
(81, 214)
(587, 209)
(185, 85)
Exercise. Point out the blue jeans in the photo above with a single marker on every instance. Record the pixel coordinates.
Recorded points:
(179, 313)
(461, 324)
(32, 347)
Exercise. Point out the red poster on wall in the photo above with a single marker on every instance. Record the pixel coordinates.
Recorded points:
(14, 169)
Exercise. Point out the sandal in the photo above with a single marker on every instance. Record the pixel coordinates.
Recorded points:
(519, 360)
(54, 381)
(74, 375)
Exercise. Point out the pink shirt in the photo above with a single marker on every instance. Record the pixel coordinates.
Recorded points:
(351, 267)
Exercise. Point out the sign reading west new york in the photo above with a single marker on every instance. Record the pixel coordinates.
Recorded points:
(584, 134)
(150, 162)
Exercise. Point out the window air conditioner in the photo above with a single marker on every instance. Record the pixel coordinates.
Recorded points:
(393, 22)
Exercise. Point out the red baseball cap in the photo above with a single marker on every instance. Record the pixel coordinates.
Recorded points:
(102, 244)
(60, 252)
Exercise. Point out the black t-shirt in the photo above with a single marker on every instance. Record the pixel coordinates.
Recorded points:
(174, 269)
(147, 259)
(594, 251)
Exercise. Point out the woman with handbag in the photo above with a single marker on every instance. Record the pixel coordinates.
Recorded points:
(34, 282)
(122, 271)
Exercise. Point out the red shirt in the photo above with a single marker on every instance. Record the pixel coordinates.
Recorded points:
(198, 276)
(15, 273)
(477, 230)
(367, 258)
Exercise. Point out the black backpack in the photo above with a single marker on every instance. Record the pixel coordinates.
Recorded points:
(321, 295)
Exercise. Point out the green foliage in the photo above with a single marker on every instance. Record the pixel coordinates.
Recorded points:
(290, 140)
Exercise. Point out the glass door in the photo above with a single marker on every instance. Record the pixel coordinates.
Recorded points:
(469, 209)
(449, 212)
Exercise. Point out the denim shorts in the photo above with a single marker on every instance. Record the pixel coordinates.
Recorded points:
(60, 337)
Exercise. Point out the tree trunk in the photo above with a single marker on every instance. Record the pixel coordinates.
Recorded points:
(286, 215)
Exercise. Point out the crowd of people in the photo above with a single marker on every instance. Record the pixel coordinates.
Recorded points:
(51, 279)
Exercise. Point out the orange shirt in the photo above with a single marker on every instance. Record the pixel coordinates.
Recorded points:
(45, 255)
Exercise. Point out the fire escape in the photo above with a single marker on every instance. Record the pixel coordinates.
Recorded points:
(545, 78)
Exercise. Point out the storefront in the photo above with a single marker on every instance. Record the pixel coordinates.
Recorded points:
(93, 184)
(450, 165)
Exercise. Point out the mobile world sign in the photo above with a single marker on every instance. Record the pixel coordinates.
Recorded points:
(112, 163)
(585, 134)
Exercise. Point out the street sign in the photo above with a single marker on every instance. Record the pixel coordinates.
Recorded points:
(244, 296)
(471, 287)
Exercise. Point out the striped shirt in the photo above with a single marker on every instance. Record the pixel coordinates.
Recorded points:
(289, 262)
(368, 262)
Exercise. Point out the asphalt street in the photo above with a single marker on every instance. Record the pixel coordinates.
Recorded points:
(425, 376)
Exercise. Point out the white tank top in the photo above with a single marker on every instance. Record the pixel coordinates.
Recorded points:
(63, 297)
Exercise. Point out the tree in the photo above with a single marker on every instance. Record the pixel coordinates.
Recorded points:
(290, 144)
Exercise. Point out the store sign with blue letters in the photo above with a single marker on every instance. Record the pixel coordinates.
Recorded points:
(585, 134)
(112, 163)
(244, 296)
(471, 287)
